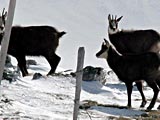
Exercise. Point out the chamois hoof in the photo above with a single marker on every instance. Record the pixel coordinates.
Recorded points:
(24, 75)
(51, 74)
(149, 108)
(129, 107)
(143, 104)
(158, 107)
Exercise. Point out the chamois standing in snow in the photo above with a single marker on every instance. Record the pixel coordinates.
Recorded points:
(133, 41)
(33, 41)
(130, 68)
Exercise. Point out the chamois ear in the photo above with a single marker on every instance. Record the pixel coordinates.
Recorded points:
(109, 17)
(106, 41)
(119, 18)
(5, 15)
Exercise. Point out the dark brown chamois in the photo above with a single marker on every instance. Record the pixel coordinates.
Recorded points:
(34, 41)
(130, 68)
(132, 41)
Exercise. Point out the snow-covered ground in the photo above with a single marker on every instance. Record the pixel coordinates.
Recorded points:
(85, 21)
(52, 98)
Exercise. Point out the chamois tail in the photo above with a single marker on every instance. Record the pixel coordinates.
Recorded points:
(60, 34)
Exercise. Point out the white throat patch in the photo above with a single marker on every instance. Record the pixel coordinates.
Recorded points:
(110, 31)
(2, 30)
(104, 55)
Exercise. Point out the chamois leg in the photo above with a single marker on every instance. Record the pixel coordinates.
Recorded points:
(129, 92)
(158, 83)
(22, 65)
(53, 61)
(155, 88)
(140, 88)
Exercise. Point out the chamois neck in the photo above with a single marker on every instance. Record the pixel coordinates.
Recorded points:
(1, 37)
(111, 32)
(113, 58)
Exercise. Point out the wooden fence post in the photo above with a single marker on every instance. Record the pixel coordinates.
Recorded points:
(79, 75)
(6, 37)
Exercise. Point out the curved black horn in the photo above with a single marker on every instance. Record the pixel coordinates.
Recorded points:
(3, 11)
(112, 17)
(109, 17)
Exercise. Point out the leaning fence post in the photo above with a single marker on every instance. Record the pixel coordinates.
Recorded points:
(79, 75)
(6, 36)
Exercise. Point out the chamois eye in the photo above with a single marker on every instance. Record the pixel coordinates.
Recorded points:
(104, 46)
(1, 27)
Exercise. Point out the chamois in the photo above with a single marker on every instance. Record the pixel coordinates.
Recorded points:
(34, 41)
(132, 41)
(130, 68)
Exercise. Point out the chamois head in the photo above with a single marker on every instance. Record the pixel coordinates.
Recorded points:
(113, 24)
(103, 53)
(2, 20)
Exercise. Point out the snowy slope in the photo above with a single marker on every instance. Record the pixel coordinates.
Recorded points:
(52, 98)
(85, 21)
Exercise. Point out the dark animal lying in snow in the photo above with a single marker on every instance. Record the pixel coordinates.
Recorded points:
(130, 68)
(34, 41)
